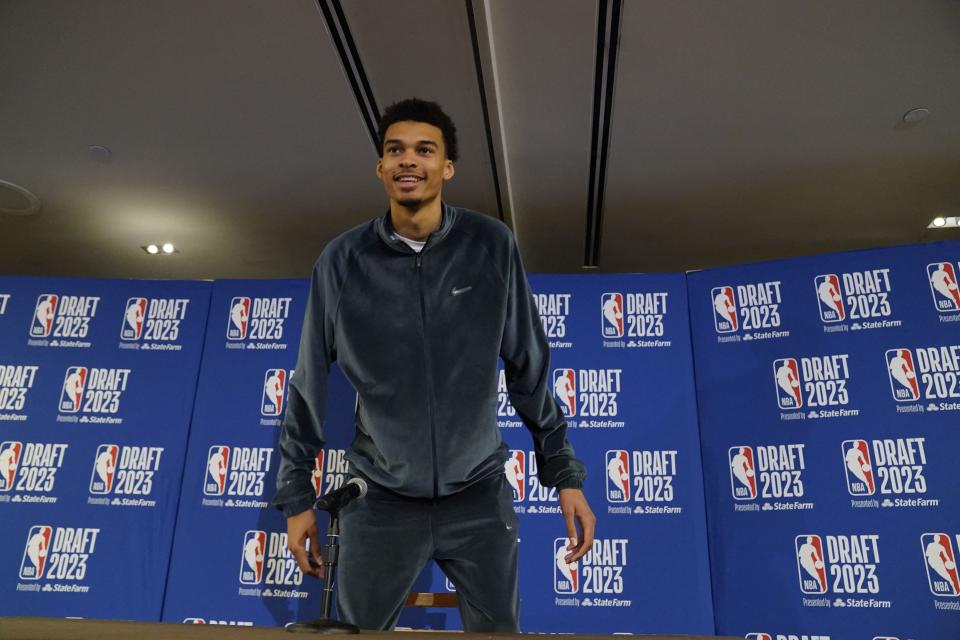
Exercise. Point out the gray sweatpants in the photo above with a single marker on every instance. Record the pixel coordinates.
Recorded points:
(387, 539)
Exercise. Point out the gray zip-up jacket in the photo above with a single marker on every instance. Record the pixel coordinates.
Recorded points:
(419, 337)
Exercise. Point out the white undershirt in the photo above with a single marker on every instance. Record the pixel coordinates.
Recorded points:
(416, 245)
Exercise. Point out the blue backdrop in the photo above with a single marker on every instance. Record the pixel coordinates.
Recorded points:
(829, 398)
(97, 380)
(827, 390)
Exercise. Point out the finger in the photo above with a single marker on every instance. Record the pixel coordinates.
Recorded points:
(588, 525)
(300, 554)
(576, 550)
(316, 554)
(568, 517)
(315, 549)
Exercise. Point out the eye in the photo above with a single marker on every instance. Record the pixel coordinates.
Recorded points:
(426, 150)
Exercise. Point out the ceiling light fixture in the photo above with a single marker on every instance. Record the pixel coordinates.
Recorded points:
(915, 116)
(17, 201)
(912, 118)
(944, 222)
(164, 249)
(100, 153)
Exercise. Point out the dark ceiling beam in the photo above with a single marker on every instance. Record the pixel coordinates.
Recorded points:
(608, 40)
(488, 132)
(339, 30)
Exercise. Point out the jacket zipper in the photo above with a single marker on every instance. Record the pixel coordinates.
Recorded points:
(429, 376)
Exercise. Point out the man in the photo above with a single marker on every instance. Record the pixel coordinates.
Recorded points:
(417, 307)
(939, 560)
(812, 563)
(787, 381)
(743, 470)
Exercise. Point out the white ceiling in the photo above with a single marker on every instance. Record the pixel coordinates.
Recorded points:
(740, 130)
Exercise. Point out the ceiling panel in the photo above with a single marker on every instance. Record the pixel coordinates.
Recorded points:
(545, 53)
(752, 130)
(740, 130)
(423, 49)
(233, 130)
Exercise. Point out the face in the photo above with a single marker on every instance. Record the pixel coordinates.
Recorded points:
(414, 163)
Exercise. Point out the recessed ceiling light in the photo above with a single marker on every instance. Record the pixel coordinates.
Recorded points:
(17, 201)
(914, 116)
(100, 153)
(164, 249)
(944, 222)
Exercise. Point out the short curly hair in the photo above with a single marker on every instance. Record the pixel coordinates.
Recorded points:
(417, 110)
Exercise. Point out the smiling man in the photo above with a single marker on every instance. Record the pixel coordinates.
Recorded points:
(418, 307)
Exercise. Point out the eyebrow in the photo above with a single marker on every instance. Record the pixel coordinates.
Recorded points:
(396, 141)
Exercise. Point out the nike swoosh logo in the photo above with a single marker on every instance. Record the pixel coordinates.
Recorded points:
(457, 292)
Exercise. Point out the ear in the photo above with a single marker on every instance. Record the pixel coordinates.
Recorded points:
(448, 169)
(379, 168)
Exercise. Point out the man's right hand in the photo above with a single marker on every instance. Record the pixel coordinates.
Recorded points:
(299, 528)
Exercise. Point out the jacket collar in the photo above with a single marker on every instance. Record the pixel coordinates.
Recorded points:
(386, 232)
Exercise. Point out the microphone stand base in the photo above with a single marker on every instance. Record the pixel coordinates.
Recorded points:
(323, 625)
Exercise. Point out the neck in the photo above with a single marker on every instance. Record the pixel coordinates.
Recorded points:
(416, 223)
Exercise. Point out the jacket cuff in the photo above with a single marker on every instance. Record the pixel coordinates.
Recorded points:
(293, 508)
(570, 483)
(292, 500)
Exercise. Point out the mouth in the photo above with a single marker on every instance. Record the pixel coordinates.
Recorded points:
(407, 180)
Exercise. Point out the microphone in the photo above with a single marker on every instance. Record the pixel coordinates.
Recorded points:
(336, 500)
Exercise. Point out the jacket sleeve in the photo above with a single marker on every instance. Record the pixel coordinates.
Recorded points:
(526, 359)
(301, 436)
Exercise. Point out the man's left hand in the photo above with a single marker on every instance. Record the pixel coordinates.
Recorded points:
(575, 510)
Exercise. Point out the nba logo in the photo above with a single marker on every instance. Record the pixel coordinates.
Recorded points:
(724, 309)
(515, 470)
(757, 636)
(104, 466)
(194, 621)
(74, 383)
(317, 476)
(35, 553)
(618, 476)
(856, 461)
(941, 561)
(943, 286)
(239, 318)
(254, 547)
(903, 375)
(743, 477)
(787, 378)
(829, 298)
(43, 314)
(810, 565)
(565, 389)
(136, 311)
(274, 387)
(612, 315)
(565, 576)
(218, 459)
(9, 459)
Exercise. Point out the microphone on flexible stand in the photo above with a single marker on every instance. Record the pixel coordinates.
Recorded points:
(332, 503)
(336, 500)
